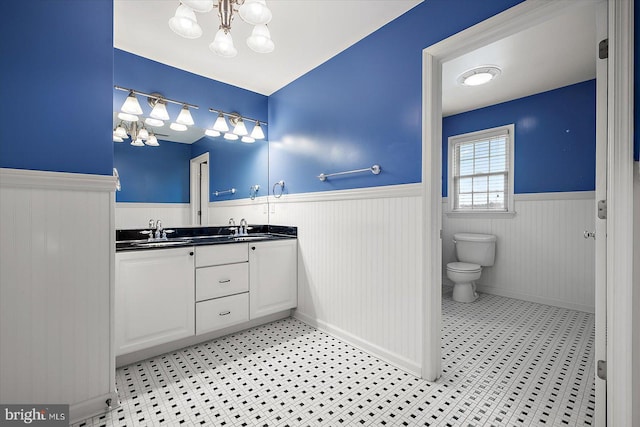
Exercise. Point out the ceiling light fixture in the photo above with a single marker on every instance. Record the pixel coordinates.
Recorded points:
(479, 75)
(253, 12)
(238, 123)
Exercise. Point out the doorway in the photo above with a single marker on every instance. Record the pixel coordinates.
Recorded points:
(199, 190)
(513, 20)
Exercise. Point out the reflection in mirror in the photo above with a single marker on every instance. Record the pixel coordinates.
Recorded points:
(157, 179)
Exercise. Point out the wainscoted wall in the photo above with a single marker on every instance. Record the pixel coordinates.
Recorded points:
(137, 215)
(56, 289)
(541, 253)
(254, 211)
(359, 266)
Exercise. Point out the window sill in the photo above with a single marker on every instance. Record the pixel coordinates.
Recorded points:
(481, 214)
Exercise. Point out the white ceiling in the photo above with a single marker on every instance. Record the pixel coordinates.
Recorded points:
(548, 56)
(306, 34)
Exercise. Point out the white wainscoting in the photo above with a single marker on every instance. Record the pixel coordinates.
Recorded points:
(359, 266)
(137, 215)
(254, 211)
(541, 254)
(56, 290)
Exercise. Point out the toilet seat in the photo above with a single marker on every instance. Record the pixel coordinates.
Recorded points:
(464, 267)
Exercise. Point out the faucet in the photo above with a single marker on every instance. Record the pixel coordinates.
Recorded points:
(233, 227)
(243, 227)
(160, 234)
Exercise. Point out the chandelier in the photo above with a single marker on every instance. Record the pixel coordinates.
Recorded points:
(253, 12)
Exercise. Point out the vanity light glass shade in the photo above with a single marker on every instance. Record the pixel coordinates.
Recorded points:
(160, 111)
(255, 12)
(143, 133)
(248, 139)
(185, 24)
(128, 117)
(131, 105)
(178, 127)
(120, 132)
(223, 44)
(152, 141)
(212, 132)
(257, 132)
(260, 40)
(184, 118)
(137, 143)
(221, 124)
(153, 122)
(202, 6)
(116, 138)
(240, 129)
(231, 136)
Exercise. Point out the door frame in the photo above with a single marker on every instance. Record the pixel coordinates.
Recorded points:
(194, 194)
(619, 191)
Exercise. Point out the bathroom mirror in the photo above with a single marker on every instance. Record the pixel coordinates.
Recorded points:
(158, 181)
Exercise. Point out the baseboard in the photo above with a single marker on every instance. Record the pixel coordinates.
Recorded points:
(92, 407)
(533, 298)
(379, 352)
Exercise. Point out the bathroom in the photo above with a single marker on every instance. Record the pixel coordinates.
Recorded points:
(366, 227)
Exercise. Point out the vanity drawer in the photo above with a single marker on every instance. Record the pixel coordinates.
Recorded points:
(221, 254)
(221, 280)
(221, 312)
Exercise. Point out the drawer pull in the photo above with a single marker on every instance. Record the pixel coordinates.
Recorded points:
(225, 313)
(224, 281)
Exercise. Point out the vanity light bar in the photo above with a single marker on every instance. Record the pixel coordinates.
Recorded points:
(238, 116)
(155, 96)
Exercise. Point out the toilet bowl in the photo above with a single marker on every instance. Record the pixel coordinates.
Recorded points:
(474, 251)
(464, 275)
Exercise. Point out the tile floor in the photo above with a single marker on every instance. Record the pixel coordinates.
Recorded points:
(506, 363)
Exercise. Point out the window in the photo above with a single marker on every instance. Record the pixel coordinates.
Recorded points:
(481, 171)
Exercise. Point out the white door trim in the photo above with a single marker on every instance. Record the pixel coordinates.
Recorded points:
(620, 215)
(195, 192)
(620, 241)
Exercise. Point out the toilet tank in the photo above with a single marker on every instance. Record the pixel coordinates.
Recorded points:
(476, 248)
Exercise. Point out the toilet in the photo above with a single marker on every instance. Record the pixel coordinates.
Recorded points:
(474, 251)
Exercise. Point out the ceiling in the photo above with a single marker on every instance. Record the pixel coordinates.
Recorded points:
(306, 34)
(556, 53)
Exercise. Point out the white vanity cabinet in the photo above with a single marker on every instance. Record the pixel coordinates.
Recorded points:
(222, 286)
(273, 267)
(154, 297)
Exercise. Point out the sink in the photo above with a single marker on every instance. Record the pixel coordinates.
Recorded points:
(162, 243)
(248, 238)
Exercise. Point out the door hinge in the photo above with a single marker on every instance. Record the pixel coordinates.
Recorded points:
(602, 209)
(440, 234)
(602, 369)
(603, 49)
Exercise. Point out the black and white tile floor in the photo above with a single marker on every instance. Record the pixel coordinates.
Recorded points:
(506, 363)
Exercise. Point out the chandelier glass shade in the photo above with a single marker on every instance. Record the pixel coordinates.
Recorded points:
(253, 12)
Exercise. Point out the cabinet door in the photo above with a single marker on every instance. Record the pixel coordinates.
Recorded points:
(273, 276)
(155, 296)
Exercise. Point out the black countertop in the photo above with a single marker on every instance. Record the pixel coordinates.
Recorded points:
(135, 239)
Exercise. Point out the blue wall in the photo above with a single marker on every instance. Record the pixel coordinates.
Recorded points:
(56, 85)
(364, 105)
(153, 174)
(233, 164)
(555, 141)
(636, 83)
